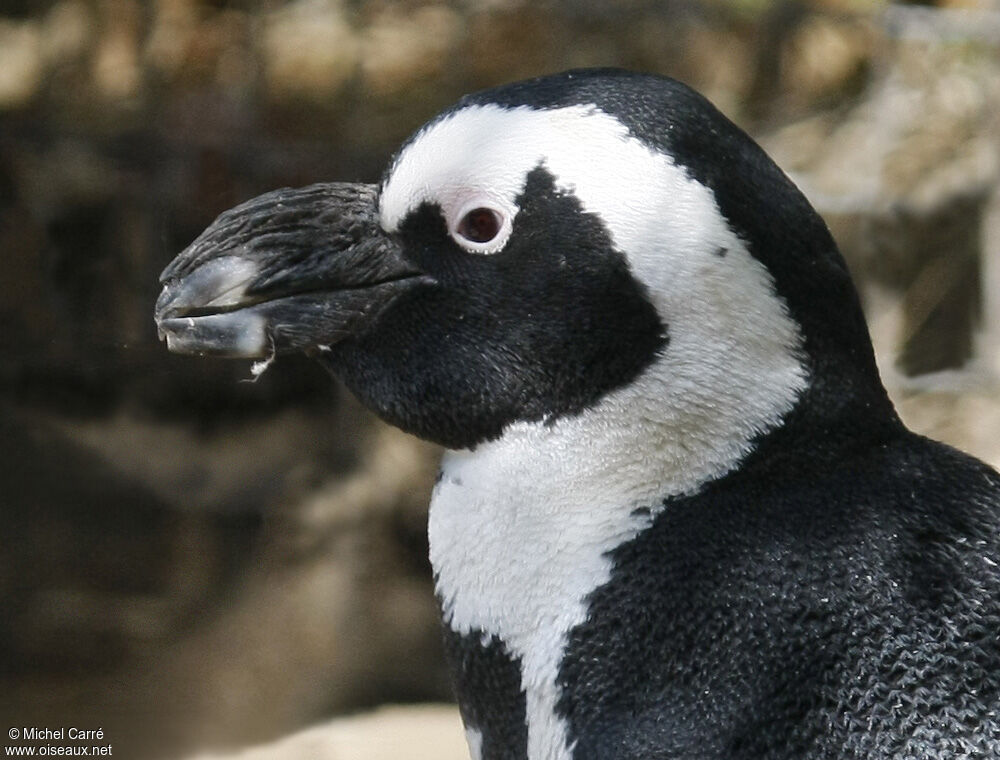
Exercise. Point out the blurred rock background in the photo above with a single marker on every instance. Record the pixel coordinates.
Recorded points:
(191, 560)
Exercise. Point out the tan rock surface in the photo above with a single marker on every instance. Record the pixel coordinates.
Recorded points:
(425, 732)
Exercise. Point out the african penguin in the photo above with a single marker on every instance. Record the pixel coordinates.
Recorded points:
(678, 516)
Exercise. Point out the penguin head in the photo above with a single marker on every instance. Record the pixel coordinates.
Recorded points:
(536, 250)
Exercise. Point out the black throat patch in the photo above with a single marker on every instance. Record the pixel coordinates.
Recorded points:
(539, 330)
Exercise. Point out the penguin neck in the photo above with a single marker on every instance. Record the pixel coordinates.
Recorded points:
(521, 528)
(547, 500)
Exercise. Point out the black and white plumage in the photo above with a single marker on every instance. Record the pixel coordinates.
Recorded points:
(679, 517)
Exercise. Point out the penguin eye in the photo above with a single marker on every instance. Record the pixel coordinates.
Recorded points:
(481, 229)
(481, 225)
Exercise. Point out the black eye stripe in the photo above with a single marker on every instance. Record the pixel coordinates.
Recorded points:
(480, 225)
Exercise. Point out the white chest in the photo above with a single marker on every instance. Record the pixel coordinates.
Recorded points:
(518, 536)
(517, 545)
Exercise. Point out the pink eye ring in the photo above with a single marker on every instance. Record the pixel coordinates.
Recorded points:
(480, 225)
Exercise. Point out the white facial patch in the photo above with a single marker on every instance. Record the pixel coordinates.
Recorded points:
(520, 527)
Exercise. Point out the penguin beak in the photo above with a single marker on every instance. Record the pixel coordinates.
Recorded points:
(291, 270)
